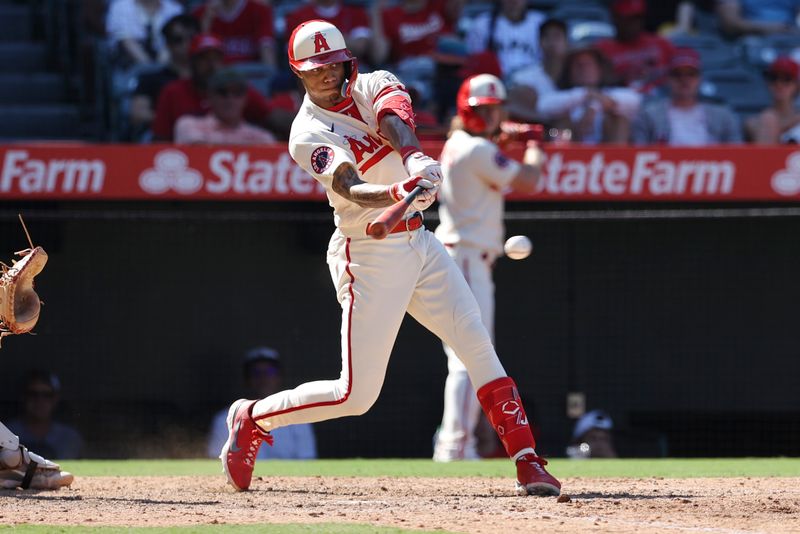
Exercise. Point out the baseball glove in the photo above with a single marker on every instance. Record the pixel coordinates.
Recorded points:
(19, 303)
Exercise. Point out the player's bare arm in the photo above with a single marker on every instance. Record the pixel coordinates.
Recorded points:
(530, 172)
(399, 133)
(347, 183)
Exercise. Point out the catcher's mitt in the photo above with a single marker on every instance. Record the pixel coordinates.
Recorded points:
(19, 303)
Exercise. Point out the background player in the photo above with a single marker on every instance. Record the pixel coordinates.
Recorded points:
(355, 135)
(471, 212)
(20, 468)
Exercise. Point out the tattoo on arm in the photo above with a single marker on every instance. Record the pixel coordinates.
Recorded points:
(399, 133)
(348, 184)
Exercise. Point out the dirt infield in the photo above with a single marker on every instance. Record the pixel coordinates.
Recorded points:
(479, 505)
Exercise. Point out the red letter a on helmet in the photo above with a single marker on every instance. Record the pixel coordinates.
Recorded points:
(320, 44)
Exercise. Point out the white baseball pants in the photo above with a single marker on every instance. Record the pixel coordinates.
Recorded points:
(455, 439)
(376, 283)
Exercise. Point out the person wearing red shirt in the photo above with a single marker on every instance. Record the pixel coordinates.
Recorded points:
(245, 27)
(639, 59)
(352, 21)
(412, 28)
(190, 96)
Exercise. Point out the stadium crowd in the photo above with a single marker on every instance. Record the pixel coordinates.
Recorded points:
(675, 72)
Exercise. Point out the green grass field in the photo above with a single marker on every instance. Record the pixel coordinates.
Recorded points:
(667, 468)
(393, 467)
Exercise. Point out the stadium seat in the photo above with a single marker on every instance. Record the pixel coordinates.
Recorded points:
(573, 13)
(714, 52)
(742, 89)
(760, 51)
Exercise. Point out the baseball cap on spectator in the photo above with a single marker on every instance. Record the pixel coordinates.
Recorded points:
(594, 419)
(629, 8)
(203, 42)
(229, 77)
(685, 58)
(784, 66)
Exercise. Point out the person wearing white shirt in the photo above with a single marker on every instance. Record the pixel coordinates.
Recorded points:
(512, 32)
(262, 376)
(135, 27)
(594, 111)
(682, 119)
(528, 84)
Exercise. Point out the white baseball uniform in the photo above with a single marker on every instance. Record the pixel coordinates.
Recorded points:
(376, 281)
(471, 209)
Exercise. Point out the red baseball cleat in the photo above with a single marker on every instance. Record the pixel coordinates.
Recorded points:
(244, 439)
(533, 478)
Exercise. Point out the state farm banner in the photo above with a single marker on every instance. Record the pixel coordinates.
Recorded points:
(604, 173)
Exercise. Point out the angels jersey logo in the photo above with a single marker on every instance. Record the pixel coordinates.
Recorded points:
(320, 44)
(500, 160)
(321, 159)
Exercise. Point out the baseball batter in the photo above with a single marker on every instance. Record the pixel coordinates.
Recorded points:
(471, 204)
(354, 133)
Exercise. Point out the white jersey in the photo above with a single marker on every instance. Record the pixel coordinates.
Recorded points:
(516, 43)
(471, 196)
(322, 139)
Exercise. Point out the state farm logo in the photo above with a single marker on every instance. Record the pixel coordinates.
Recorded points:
(171, 171)
(786, 181)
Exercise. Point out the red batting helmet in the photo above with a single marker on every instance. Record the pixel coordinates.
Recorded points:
(316, 43)
(477, 91)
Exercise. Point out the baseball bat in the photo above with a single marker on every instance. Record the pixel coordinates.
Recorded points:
(391, 216)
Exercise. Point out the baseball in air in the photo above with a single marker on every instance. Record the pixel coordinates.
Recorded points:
(518, 247)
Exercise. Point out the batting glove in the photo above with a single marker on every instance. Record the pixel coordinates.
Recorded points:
(422, 201)
(418, 164)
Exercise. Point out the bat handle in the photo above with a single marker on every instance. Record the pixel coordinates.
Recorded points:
(391, 216)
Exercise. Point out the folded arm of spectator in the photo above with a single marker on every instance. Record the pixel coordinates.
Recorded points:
(626, 101)
(560, 103)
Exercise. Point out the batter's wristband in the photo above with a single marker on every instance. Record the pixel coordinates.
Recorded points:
(407, 151)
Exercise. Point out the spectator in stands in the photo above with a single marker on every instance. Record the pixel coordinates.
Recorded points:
(408, 36)
(134, 29)
(538, 79)
(587, 103)
(681, 119)
(178, 33)
(224, 124)
(511, 31)
(262, 373)
(779, 123)
(36, 426)
(353, 22)
(190, 96)
(591, 437)
(245, 27)
(760, 17)
(639, 58)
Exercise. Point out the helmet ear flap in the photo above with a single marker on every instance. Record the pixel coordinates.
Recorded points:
(473, 121)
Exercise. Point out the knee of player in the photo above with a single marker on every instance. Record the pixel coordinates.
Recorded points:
(359, 402)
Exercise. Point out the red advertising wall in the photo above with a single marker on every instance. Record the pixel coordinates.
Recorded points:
(168, 172)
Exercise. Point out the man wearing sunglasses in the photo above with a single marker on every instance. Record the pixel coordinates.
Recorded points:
(178, 33)
(224, 124)
(682, 119)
